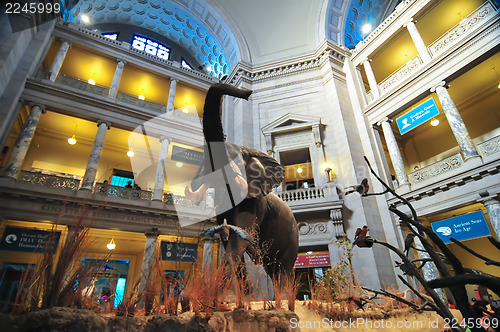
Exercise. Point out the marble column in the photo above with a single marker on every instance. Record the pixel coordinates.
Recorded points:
(318, 158)
(113, 90)
(58, 61)
(22, 144)
(161, 169)
(492, 206)
(394, 153)
(171, 96)
(455, 121)
(95, 156)
(208, 255)
(148, 262)
(429, 270)
(371, 79)
(418, 41)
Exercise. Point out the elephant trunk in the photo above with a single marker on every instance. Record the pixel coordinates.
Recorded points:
(212, 123)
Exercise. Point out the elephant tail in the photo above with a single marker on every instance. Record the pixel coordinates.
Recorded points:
(212, 123)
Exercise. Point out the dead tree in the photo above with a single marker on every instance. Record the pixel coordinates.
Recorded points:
(453, 275)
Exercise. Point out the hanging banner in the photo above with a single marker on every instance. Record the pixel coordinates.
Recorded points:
(28, 239)
(417, 116)
(465, 227)
(179, 251)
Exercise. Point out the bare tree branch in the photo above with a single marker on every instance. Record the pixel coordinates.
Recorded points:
(486, 260)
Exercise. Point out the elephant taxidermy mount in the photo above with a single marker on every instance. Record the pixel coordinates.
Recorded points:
(243, 179)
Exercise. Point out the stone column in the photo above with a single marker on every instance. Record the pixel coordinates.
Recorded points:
(492, 206)
(160, 169)
(113, 90)
(318, 158)
(417, 40)
(456, 123)
(371, 79)
(58, 61)
(23, 142)
(208, 255)
(95, 156)
(429, 270)
(394, 153)
(148, 262)
(171, 96)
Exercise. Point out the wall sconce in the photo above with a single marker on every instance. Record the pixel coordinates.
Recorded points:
(72, 140)
(330, 175)
(111, 245)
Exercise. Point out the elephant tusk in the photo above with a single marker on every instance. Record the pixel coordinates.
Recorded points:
(196, 195)
(241, 182)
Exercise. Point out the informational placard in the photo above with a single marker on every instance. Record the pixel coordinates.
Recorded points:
(464, 227)
(28, 239)
(417, 116)
(179, 251)
(312, 260)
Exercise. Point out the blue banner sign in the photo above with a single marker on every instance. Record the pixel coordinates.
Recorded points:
(465, 227)
(417, 116)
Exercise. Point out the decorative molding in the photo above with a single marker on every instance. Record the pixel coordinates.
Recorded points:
(489, 147)
(437, 168)
(82, 85)
(313, 228)
(141, 103)
(51, 181)
(402, 73)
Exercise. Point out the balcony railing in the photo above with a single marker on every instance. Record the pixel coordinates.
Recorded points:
(459, 31)
(82, 85)
(133, 100)
(303, 195)
(187, 116)
(400, 74)
(172, 199)
(51, 181)
(489, 147)
(437, 168)
(122, 192)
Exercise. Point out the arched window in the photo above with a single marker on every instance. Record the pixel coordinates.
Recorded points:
(151, 47)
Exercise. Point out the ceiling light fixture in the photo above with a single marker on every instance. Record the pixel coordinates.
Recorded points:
(309, 252)
(111, 245)
(91, 81)
(85, 19)
(434, 122)
(185, 110)
(72, 140)
(141, 97)
(130, 153)
(367, 28)
(178, 164)
(299, 170)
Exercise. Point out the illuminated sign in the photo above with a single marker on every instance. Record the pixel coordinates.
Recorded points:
(417, 116)
(312, 260)
(28, 239)
(464, 227)
(179, 251)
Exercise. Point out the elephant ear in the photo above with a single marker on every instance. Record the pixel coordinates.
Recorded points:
(262, 171)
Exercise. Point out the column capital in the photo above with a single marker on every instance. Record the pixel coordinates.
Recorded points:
(163, 138)
(367, 59)
(152, 234)
(121, 60)
(442, 83)
(385, 119)
(410, 21)
(174, 79)
(32, 104)
(100, 122)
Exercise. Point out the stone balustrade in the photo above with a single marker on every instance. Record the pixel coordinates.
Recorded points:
(437, 168)
(133, 100)
(51, 181)
(172, 199)
(187, 116)
(485, 12)
(400, 74)
(82, 85)
(489, 147)
(301, 195)
(122, 192)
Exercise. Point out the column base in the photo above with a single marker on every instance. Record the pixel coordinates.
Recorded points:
(405, 187)
(474, 160)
